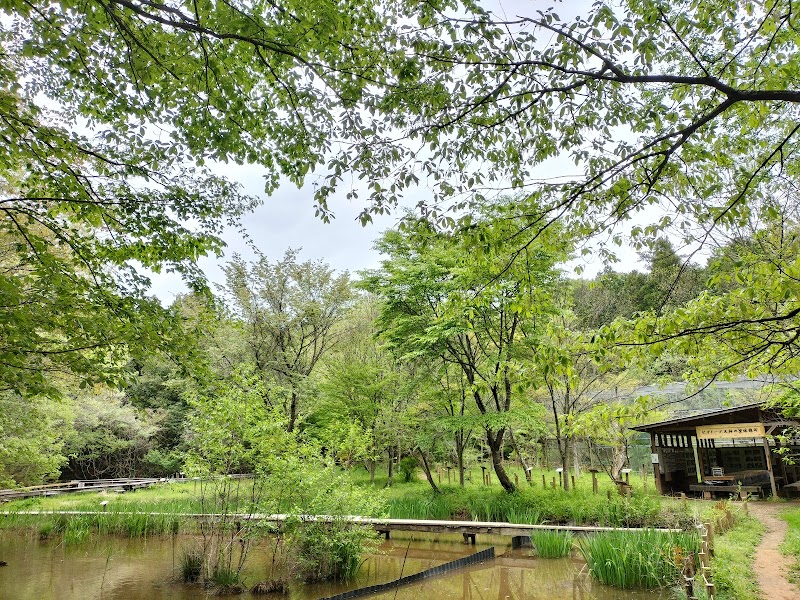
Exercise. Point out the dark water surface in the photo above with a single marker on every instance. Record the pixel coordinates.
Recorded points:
(112, 568)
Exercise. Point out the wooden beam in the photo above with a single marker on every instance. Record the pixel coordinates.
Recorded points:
(768, 454)
(656, 466)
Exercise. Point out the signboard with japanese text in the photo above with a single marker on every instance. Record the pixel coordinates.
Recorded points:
(728, 432)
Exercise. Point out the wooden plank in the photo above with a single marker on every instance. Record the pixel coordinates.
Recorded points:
(419, 525)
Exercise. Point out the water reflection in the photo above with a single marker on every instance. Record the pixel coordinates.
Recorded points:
(123, 569)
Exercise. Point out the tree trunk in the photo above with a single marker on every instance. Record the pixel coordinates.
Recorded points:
(427, 470)
(495, 442)
(390, 479)
(523, 464)
(370, 466)
(565, 451)
(292, 412)
(459, 439)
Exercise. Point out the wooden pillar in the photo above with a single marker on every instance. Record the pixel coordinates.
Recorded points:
(768, 454)
(698, 460)
(656, 466)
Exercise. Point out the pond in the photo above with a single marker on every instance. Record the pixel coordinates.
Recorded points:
(112, 568)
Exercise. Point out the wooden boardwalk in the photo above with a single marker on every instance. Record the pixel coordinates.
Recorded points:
(88, 485)
(469, 529)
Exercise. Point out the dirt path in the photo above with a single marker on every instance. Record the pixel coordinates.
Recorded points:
(770, 565)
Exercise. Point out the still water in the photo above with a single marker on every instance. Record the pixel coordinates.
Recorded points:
(112, 568)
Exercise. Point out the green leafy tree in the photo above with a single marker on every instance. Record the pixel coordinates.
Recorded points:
(32, 435)
(288, 311)
(458, 298)
(361, 386)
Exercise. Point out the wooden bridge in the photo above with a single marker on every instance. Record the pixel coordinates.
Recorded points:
(469, 529)
(88, 485)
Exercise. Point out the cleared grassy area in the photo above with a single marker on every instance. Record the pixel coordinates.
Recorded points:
(732, 565)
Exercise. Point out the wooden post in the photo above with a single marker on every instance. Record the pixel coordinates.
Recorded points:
(710, 537)
(544, 481)
(561, 479)
(768, 454)
(553, 483)
(448, 474)
(593, 471)
(700, 467)
(572, 478)
(688, 576)
(656, 468)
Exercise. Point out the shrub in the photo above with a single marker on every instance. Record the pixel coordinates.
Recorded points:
(317, 551)
(407, 467)
(191, 565)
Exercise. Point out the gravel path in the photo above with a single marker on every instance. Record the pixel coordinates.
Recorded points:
(770, 565)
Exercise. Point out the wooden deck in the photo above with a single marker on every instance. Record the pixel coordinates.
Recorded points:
(468, 529)
(68, 487)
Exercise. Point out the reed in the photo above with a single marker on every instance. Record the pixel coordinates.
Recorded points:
(552, 544)
(637, 559)
(191, 562)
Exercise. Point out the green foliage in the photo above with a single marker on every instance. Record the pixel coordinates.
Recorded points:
(473, 299)
(287, 310)
(536, 505)
(552, 544)
(191, 563)
(407, 467)
(633, 559)
(321, 551)
(32, 435)
(109, 438)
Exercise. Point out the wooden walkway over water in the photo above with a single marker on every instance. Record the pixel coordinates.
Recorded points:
(468, 529)
(84, 485)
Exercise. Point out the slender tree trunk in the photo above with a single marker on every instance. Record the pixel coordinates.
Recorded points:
(292, 412)
(565, 456)
(460, 457)
(390, 479)
(495, 442)
(522, 462)
(427, 470)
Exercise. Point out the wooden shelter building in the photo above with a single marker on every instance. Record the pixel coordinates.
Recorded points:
(723, 451)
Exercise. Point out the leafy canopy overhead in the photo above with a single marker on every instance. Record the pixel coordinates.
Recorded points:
(111, 110)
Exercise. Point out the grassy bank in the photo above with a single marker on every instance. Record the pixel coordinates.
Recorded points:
(476, 501)
(732, 565)
(791, 544)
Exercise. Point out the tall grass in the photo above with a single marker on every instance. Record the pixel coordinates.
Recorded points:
(74, 529)
(536, 505)
(637, 559)
(552, 544)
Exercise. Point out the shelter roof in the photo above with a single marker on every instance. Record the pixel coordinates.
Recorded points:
(747, 413)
